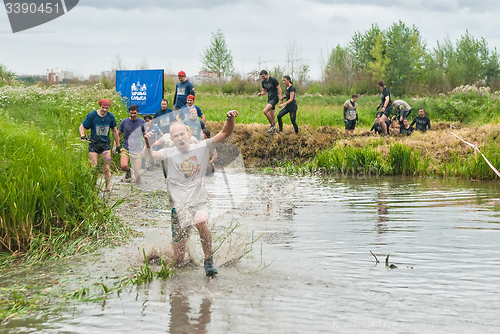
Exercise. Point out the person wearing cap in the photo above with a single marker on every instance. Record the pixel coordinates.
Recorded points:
(272, 86)
(183, 113)
(99, 122)
(182, 89)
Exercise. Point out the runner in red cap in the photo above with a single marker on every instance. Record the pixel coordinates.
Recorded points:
(105, 102)
(99, 122)
(183, 114)
(182, 90)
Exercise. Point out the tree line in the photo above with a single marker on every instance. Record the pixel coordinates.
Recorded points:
(399, 56)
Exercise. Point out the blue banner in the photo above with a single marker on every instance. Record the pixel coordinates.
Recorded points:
(141, 87)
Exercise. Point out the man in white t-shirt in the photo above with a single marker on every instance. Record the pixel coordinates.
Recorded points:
(187, 165)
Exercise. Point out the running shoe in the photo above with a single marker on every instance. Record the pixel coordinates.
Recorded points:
(271, 129)
(209, 267)
(128, 174)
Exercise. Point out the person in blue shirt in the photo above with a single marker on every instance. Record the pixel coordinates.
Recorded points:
(182, 90)
(195, 124)
(164, 117)
(133, 129)
(184, 111)
(99, 122)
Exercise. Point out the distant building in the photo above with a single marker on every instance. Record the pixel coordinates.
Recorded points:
(204, 77)
(55, 75)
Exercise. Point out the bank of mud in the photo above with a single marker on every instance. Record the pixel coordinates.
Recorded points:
(260, 149)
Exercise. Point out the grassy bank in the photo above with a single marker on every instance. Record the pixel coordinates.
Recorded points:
(325, 150)
(49, 204)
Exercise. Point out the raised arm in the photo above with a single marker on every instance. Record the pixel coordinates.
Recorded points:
(228, 127)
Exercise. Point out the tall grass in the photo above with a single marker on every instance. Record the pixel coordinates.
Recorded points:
(48, 200)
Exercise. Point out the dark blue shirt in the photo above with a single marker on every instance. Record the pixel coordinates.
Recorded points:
(184, 112)
(195, 126)
(133, 133)
(163, 119)
(182, 90)
(99, 126)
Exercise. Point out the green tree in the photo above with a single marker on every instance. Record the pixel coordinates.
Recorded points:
(340, 70)
(407, 52)
(378, 67)
(217, 57)
(361, 45)
(5, 74)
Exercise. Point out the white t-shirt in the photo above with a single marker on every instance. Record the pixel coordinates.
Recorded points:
(186, 174)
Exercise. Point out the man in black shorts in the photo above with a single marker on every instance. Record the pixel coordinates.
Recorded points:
(422, 121)
(274, 94)
(350, 114)
(386, 105)
(99, 122)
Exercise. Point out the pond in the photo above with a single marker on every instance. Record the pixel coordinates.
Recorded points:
(312, 270)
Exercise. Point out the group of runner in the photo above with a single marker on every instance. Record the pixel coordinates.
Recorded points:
(187, 160)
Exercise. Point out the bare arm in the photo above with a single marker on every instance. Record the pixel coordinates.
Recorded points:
(82, 130)
(116, 135)
(228, 127)
(262, 92)
(292, 95)
(280, 92)
(386, 102)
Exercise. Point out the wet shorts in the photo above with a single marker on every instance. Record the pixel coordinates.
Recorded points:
(182, 224)
(131, 156)
(273, 101)
(388, 112)
(351, 124)
(99, 147)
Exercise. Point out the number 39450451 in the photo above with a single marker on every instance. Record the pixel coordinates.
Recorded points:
(23, 7)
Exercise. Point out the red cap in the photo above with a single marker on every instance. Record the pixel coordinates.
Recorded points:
(181, 74)
(190, 97)
(105, 102)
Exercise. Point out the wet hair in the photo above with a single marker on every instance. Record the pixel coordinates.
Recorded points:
(180, 123)
(206, 131)
(288, 78)
(421, 109)
(263, 72)
(164, 100)
(148, 117)
(381, 83)
(354, 95)
(133, 107)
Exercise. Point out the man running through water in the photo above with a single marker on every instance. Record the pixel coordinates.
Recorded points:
(99, 122)
(386, 105)
(272, 86)
(422, 121)
(187, 166)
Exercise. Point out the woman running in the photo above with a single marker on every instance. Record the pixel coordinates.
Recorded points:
(290, 106)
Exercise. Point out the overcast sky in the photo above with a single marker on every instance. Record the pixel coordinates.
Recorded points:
(173, 34)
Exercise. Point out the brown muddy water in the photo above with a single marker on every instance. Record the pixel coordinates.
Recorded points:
(311, 271)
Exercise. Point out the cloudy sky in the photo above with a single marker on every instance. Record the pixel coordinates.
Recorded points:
(172, 34)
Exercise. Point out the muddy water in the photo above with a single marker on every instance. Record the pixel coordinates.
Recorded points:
(312, 271)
